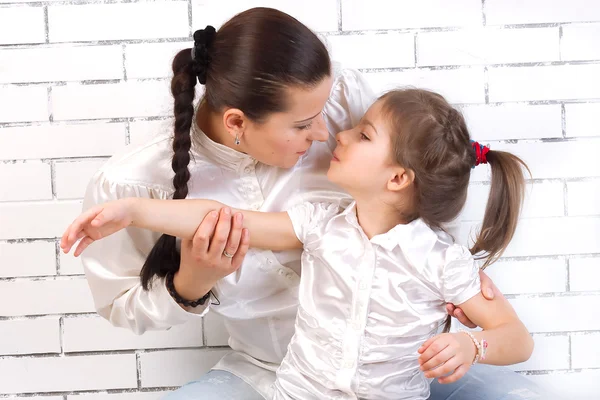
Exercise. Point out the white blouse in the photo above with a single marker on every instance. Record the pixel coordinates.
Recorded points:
(366, 306)
(260, 300)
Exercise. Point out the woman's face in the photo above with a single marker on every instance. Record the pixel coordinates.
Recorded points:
(284, 137)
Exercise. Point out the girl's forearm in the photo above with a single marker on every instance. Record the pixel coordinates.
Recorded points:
(508, 343)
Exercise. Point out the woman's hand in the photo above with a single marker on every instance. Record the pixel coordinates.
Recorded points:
(97, 222)
(217, 250)
(488, 290)
(448, 353)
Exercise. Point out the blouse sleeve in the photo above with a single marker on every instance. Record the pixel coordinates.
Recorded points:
(460, 276)
(307, 216)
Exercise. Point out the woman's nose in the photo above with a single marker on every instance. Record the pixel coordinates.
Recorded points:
(319, 131)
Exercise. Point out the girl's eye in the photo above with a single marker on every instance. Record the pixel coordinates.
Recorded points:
(305, 127)
(364, 137)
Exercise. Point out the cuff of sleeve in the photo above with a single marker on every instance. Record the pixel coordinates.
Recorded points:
(174, 311)
(465, 295)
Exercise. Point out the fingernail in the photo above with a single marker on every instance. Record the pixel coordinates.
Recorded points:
(227, 211)
(238, 217)
(489, 293)
(213, 214)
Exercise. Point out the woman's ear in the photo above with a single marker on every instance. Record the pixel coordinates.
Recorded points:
(235, 121)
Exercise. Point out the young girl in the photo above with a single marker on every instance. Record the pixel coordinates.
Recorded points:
(376, 275)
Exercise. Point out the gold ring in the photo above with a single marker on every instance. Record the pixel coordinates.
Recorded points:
(226, 254)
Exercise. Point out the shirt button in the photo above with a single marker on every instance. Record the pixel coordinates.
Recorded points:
(348, 364)
(362, 286)
(247, 170)
(356, 325)
(280, 272)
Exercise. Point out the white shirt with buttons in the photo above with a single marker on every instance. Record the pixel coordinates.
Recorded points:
(366, 306)
(259, 301)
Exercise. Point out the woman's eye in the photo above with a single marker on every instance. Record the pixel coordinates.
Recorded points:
(364, 137)
(304, 127)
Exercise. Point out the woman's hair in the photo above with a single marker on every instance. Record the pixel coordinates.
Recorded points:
(432, 140)
(248, 64)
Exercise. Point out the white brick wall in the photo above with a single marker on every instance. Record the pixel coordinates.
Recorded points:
(80, 80)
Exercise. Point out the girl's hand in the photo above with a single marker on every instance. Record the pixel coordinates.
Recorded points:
(447, 353)
(96, 223)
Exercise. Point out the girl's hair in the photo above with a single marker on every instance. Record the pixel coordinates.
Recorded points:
(248, 64)
(432, 140)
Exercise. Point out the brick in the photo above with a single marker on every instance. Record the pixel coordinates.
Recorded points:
(60, 141)
(23, 104)
(161, 19)
(97, 334)
(583, 197)
(152, 60)
(541, 200)
(539, 275)
(36, 175)
(36, 220)
(365, 51)
(70, 265)
(61, 64)
(214, 330)
(550, 352)
(544, 83)
(27, 259)
(513, 121)
(29, 336)
(584, 274)
(213, 13)
(20, 25)
(118, 396)
(177, 367)
(144, 131)
(57, 374)
(581, 119)
(73, 177)
(42, 297)
(582, 385)
(463, 85)
(585, 351)
(503, 12)
(396, 14)
(580, 42)
(487, 46)
(558, 314)
(130, 99)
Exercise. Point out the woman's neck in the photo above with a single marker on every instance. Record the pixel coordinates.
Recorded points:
(376, 216)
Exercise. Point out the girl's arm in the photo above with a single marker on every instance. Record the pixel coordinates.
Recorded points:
(179, 218)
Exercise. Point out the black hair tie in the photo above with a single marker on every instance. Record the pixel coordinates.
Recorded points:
(203, 39)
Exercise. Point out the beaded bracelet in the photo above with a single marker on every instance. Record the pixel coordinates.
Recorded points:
(480, 346)
(187, 303)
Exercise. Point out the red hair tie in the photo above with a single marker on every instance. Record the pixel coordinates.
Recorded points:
(480, 153)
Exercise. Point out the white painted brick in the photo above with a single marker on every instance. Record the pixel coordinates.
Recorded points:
(541, 275)
(36, 220)
(27, 259)
(61, 64)
(580, 42)
(118, 396)
(42, 297)
(215, 331)
(558, 314)
(547, 236)
(85, 140)
(72, 178)
(513, 121)
(549, 352)
(318, 15)
(365, 51)
(584, 274)
(487, 46)
(582, 119)
(544, 83)
(585, 351)
(97, 334)
(22, 25)
(143, 131)
(70, 265)
(463, 85)
(35, 174)
(161, 19)
(394, 14)
(23, 104)
(152, 60)
(177, 367)
(30, 375)
(541, 200)
(130, 99)
(580, 385)
(504, 12)
(29, 336)
(584, 198)
(36, 397)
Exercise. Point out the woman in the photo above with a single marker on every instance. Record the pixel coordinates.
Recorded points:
(259, 140)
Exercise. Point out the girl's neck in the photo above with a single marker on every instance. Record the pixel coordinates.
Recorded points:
(376, 216)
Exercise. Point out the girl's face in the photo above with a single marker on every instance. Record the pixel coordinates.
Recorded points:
(362, 162)
(284, 137)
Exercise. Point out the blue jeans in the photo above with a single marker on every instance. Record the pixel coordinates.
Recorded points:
(482, 382)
